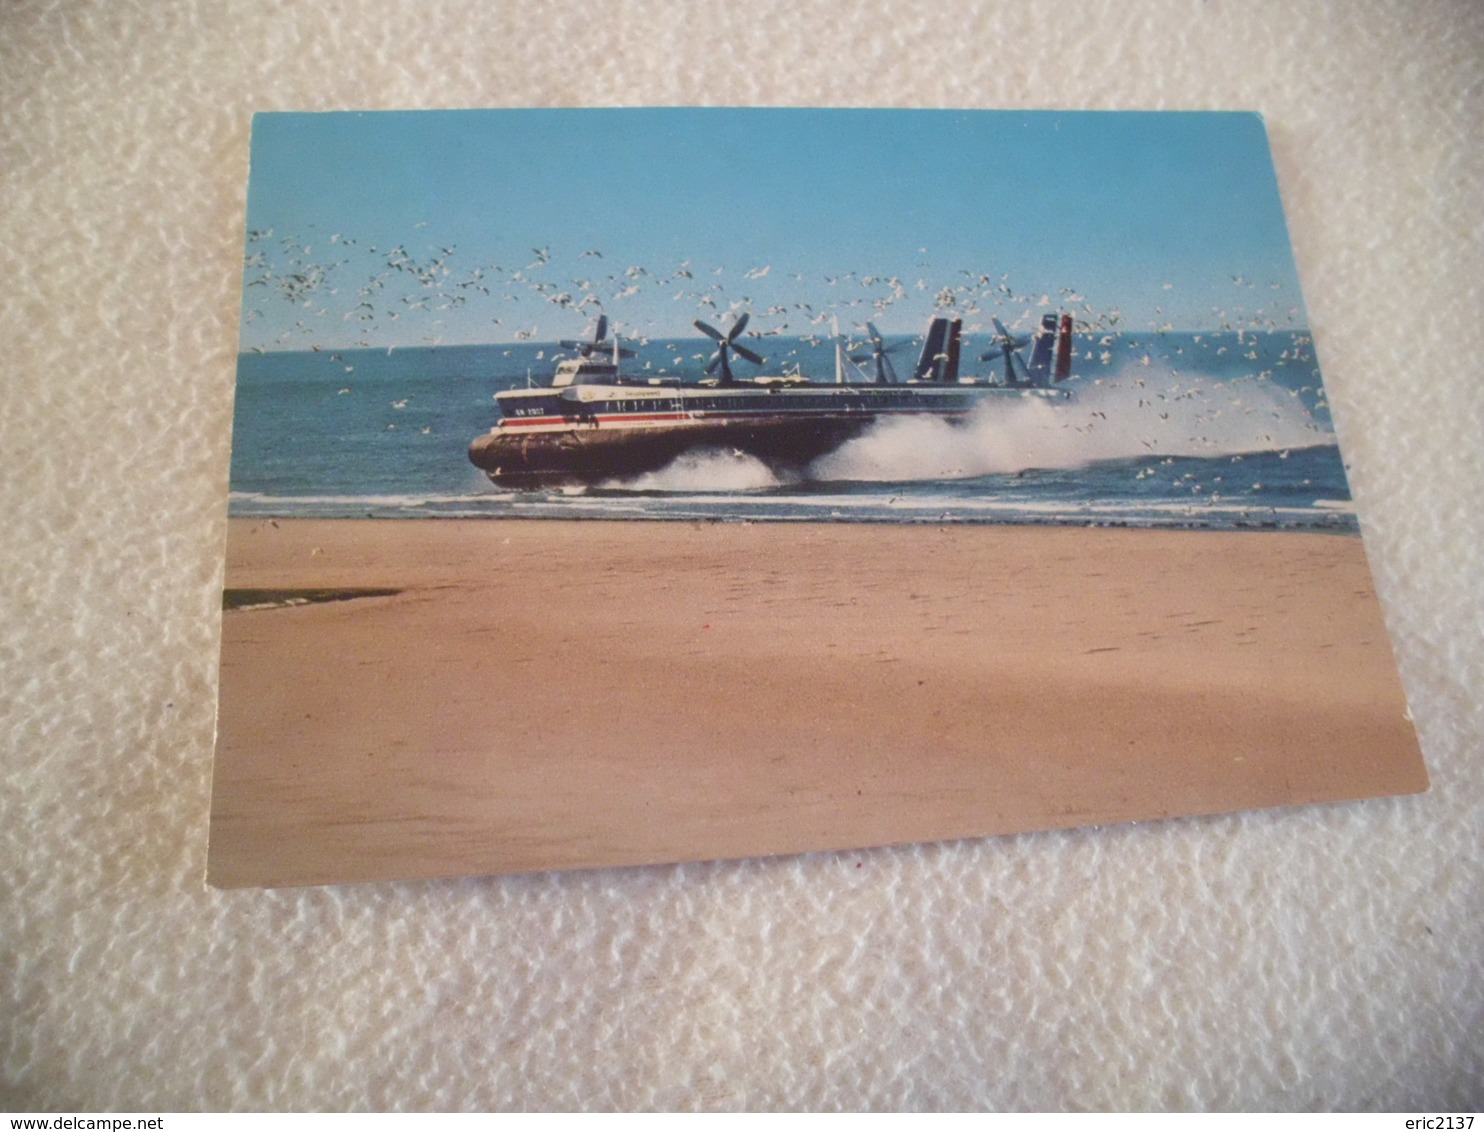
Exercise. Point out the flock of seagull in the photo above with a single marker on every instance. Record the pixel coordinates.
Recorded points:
(396, 291)
(340, 289)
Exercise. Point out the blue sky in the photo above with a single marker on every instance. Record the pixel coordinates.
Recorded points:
(488, 226)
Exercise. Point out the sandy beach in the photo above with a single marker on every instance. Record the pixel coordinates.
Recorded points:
(532, 695)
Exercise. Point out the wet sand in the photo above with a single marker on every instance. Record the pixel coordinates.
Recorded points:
(541, 695)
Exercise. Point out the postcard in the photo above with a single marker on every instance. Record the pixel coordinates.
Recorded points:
(614, 487)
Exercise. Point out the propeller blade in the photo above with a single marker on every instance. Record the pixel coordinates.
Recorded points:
(709, 330)
(568, 344)
(743, 351)
(715, 361)
(602, 331)
(625, 352)
(1020, 343)
(737, 326)
(879, 344)
(1006, 341)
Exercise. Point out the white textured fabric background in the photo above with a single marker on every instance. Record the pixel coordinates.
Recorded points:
(1315, 958)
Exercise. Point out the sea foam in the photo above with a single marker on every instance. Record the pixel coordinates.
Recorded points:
(1138, 411)
(707, 469)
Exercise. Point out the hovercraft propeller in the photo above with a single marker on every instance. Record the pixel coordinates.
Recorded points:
(726, 345)
(598, 343)
(885, 374)
(1008, 346)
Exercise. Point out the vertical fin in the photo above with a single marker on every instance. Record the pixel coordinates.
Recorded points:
(1064, 349)
(955, 343)
(1040, 366)
(932, 346)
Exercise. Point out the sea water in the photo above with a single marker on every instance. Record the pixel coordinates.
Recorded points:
(1207, 430)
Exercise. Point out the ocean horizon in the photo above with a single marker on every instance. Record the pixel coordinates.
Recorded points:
(1207, 429)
